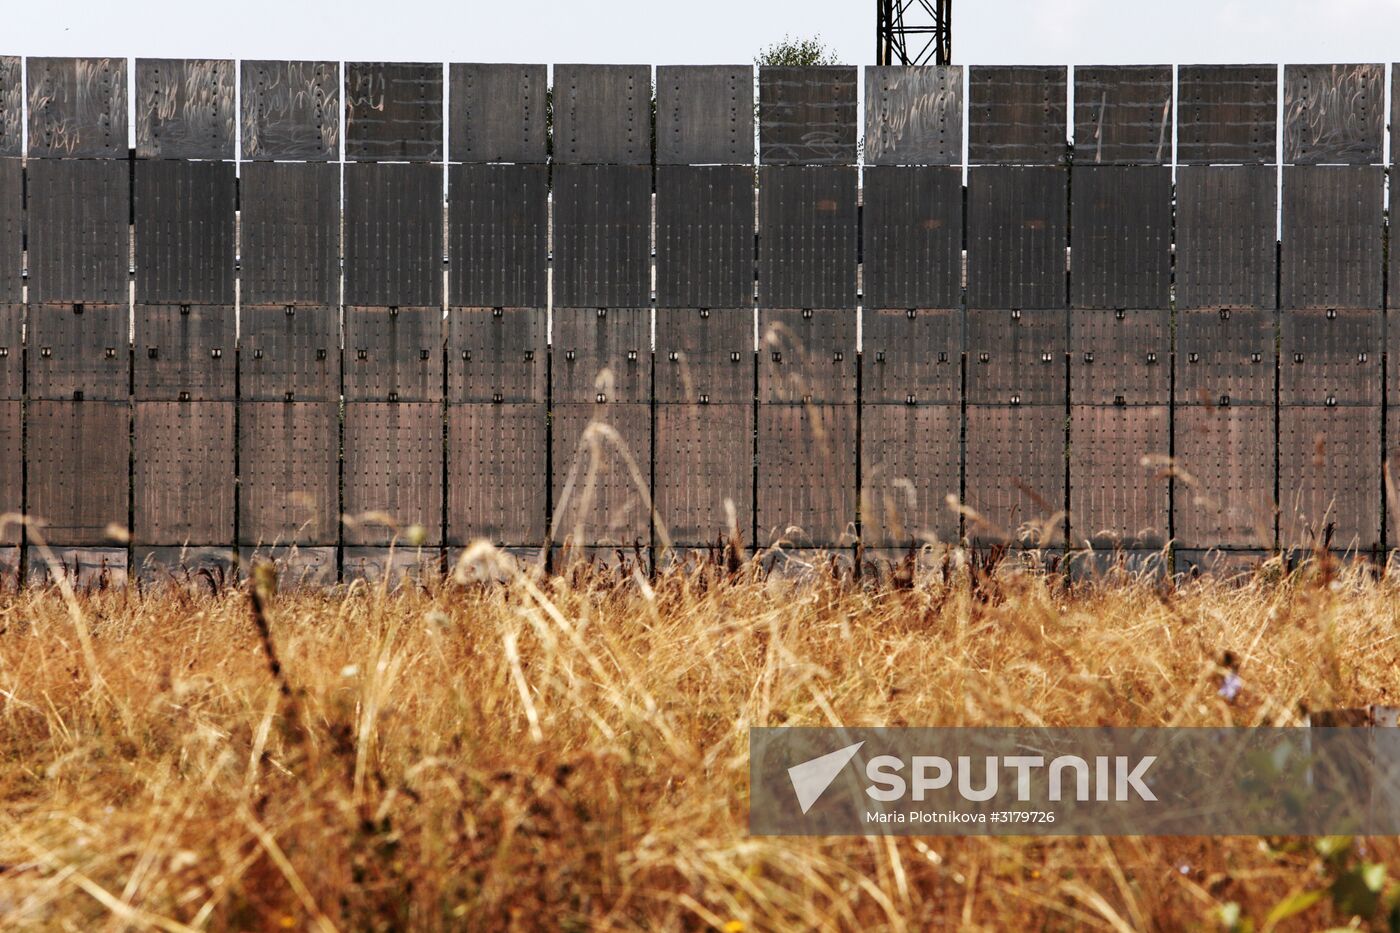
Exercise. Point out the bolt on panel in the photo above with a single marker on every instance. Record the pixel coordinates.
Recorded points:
(1017, 357)
(911, 462)
(289, 472)
(1119, 489)
(393, 111)
(1226, 252)
(184, 108)
(602, 460)
(602, 114)
(704, 115)
(498, 112)
(704, 236)
(11, 229)
(393, 472)
(1120, 357)
(1017, 231)
(1224, 476)
(1123, 115)
(1122, 237)
(704, 357)
(1333, 114)
(11, 467)
(498, 235)
(1225, 357)
(185, 353)
(1331, 254)
(807, 115)
(79, 229)
(1017, 115)
(11, 105)
(11, 351)
(291, 110)
(290, 224)
(807, 474)
(1015, 474)
(912, 220)
(496, 355)
(77, 460)
(393, 355)
(184, 473)
(1227, 114)
(185, 232)
(913, 115)
(393, 234)
(289, 353)
(912, 356)
(808, 225)
(79, 351)
(77, 108)
(807, 356)
(602, 235)
(704, 472)
(496, 482)
(1329, 477)
(602, 355)
(1330, 358)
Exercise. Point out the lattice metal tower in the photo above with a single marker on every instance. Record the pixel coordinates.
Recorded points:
(913, 32)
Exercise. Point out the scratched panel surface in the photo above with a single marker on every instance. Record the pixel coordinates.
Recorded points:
(1329, 476)
(1123, 115)
(808, 231)
(911, 462)
(1333, 113)
(11, 106)
(185, 232)
(913, 115)
(290, 223)
(912, 228)
(291, 110)
(1122, 237)
(807, 115)
(1120, 355)
(1117, 500)
(393, 111)
(496, 355)
(704, 471)
(77, 459)
(1331, 255)
(1015, 466)
(807, 356)
(1017, 230)
(184, 108)
(1224, 493)
(912, 356)
(496, 473)
(603, 352)
(1017, 357)
(393, 466)
(77, 107)
(1330, 357)
(11, 468)
(289, 474)
(600, 494)
(1227, 113)
(11, 229)
(1017, 116)
(185, 352)
(393, 235)
(602, 235)
(704, 356)
(807, 474)
(79, 230)
(1225, 236)
(11, 351)
(393, 355)
(602, 114)
(704, 236)
(1225, 357)
(183, 479)
(497, 235)
(704, 115)
(498, 112)
(79, 350)
(289, 353)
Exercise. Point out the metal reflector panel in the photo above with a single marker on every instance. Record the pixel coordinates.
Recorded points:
(496, 355)
(1330, 358)
(1015, 465)
(393, 355)
(79, 229)
(1225, 357)
(393, 111)
(1123, 115)
(1017, 116)
(1329, 477)
(11, 352)
(1227, 113)
(184, 473)
(912, 356)
(602, 355)
(393, 234)
(704, 356)
(1331, 256)
(185, 352)
(497, 235)
(185, 232)
(808, 230)
(1122, 237)
(1224, 460)
(289, 354)
(601, 456)
(291, 110)
(602, 114)
(77, 460)
(913, 115)
(393, 472)
(77, 107)
(498, 112)
(807, 115)
(11, 229)
(1118, 481)
(11, 106)
(289, 473)
(807, 356)
(704, 115)
(912, 228)
(290, 223)
(1120, 357)
(704, 472)
(496, 473)
(911, 462)
(79, 351)
(1333, 114)
(704, 236)
(184, 108)
(1225, 236)
(1017, 230)
(1017, 357)
(806, 474)
(602, 235)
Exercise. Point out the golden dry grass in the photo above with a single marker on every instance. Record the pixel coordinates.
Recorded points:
(571, 752)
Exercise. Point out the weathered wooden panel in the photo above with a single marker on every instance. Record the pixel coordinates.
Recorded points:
(1227, 114)
(1015, 474)
(185, 234)
(1120, 357)
(393, 472)
(704, 115)
(289, 353)
(602, 355)
(498, 235)
(912, 357)
(1017, 231)
(1226, 255)
(393, 111)
(393, 355)
(393, 235)
(11, 229)
(184, 473)
(913, 115)
(807, 115)
(704, 356)
(1330, 476)
(912, 228)
(1122, 237)
(1225, 357)
(704, 471)
(1224, 494)
(602, 235)
(911, 462)
(1330, 358)
(1123, 115)
(11, 106)
(11, 467)
(808, 237)
(601, 454)
(77, 107)
(497, 473)
(288, 472)
(79, 351)
(79, 230)
(496, 355)
(1017, 115)
(1333, 114)
(185, 108)
(77, 460)
(11, 352)
(704, 236)
(290, 224)
(1119, 490)
(1017, 357)
(1331, 253)
(602, 114)
(807, 474)
(185, 353)
(807, 356)
(498, 112)
(291, 110)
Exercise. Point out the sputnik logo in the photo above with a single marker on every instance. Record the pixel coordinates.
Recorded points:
(811, 778)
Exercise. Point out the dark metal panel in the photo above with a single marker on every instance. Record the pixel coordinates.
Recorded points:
(288, 464)
(704, 236)
(602, 235)
(1226, 113)
(1017, 230)
(704, 472)
(185, 244)
(393, 355)
(1118, 485)
(913, 115)
(11, 351)
(807, 356)
(704, 115)
(496, 355)
(1017, 115)
(1120, 357)
(393, 469)
(393, 235)
(393, 111)
(911, 462)
(807, 474)
(602, 355)
(1122, 237)
(1015, 465)
(807, 115)
(912, 356)
(184, 473)
(1017, 357)
(602, 460)
(79, 351)
(1123, 115)
(185, 352)
(1225, 357)
(704, 356)
(289, 353)
(291, 110)
(1226, 220)
(1331, 255)
(11, 229)
(808, 229)
(290, 224)
(77, 460)
(602, 114)
(496, 473)
(912, 247)
(1329, 476)
(497, 235)
(184, 108)
(11, 106)
(1333, 113)
(1224, 474)
(1331, 358)
(79, 230)
(77, 107)
(498, 112)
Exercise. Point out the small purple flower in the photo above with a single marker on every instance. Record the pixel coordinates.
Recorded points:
(1230, 686)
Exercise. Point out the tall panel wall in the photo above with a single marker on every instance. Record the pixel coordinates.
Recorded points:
(11, 315)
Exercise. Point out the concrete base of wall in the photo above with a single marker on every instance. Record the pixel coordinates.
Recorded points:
(296, 565)
(399, 565)
(1119, 565)
(182, 564)
(483, 571)
(605, 558)
(9, 566)
(84, 567)
(806, 562)
(1218, 563)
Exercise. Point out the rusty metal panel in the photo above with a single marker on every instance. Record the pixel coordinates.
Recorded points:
(1227, 114)
(1120, 357)
(77, 107)
(913, 115)
(1224, 461)
(1330, 476)
(704, 115)
(497, 478)
(290, 224)
(11, 229)
(11, 351)
(393, 355)
(291, 110)
(184, 108)
(79, 230)
(704, 472)
(1331, 254)
(393, 111)
(602, 235)
(1330, 358)
(1226, 252)
(393, 472)
(289, 353)
(184, 473)
(912, 356)
(1122, 237)
(79, 351)
(807, 474)
(1119, 490)
(1225, 357)
(807, 115)
(912, 228)
(498, 235)
(393, 234)
(704, 356)
(77, 460)
(498, 112)
(1017, 231)
(1017, 115)
(807, 356)
(1017, 357)
(911, 462)
(602, 355)
(602, 114)
(704, 236)
(11, 467)
(185, 353)
(601, 456)
(185, 238)
(1123, 115)
(808, 236)
(11, 106)
(1333, 114)
(1015, 474)
(496, 355)
(288, 461)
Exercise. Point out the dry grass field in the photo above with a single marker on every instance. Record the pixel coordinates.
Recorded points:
(570, 752)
